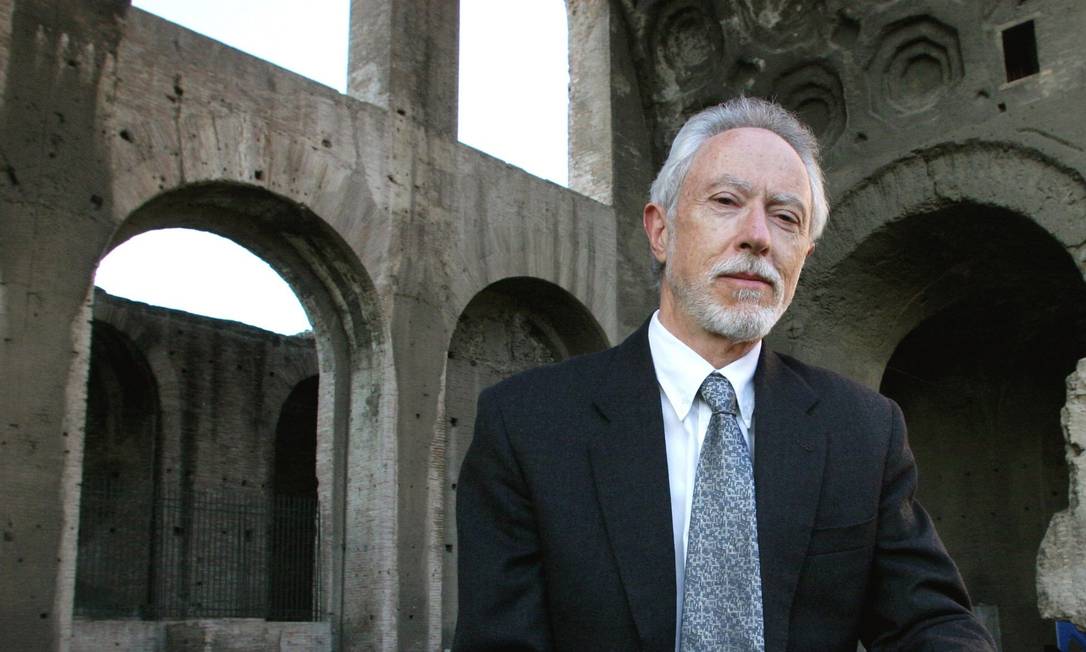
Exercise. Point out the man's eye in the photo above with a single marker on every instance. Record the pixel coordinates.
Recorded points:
(725, 200)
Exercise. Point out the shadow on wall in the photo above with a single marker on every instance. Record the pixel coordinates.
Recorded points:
(121, 442)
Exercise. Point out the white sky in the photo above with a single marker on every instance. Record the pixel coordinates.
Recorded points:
(202, 273)
(514, 78)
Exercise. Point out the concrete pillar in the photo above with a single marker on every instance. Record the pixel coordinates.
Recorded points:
(404, 57)
(1061, 561)
(54, 221)
(610, 150)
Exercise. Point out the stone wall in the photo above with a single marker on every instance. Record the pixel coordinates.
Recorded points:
(385, 228)
(219, 388)
(235, 635)
(180, 450)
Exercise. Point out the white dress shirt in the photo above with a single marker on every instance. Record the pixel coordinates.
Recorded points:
(680, 372)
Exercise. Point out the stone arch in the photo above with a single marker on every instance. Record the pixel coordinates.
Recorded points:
(293, 525)
(296, 434)
(851, 318)
(120, 461)
(352, 352)
(509, 326)
(952, 279)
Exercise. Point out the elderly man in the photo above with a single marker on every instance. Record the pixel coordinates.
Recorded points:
(689, 489)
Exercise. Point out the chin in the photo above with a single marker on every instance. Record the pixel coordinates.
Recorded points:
(739, 324)
(740, 315)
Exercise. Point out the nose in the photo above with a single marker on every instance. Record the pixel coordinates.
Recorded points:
(754, 231)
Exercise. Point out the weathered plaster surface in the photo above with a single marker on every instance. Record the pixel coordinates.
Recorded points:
(1061, 562)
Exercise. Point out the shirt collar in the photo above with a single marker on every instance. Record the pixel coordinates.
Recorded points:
(680, 371)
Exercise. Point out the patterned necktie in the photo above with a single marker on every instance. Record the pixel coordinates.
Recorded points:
(722, 594)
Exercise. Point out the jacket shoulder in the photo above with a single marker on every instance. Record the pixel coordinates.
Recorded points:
(836, 389)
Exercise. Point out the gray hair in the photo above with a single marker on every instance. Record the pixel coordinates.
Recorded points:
(750, 112)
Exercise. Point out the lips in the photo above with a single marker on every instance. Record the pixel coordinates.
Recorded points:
(749, 281)
(748, 277)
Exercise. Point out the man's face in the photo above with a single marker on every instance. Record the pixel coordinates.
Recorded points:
(736, 244)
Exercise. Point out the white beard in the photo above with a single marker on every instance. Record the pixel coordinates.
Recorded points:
(747, 321)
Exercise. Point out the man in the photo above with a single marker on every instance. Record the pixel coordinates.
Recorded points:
(689, 489)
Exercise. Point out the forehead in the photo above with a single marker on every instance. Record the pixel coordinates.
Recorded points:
(759, 157)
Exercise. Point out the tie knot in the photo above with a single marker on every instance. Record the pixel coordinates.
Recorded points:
(718, 393)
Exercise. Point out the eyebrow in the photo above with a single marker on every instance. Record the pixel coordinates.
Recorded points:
(727, 179)
(787, 199)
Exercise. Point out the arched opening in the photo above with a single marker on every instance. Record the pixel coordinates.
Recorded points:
(510, 326)
(211, 487)
(991, 309)
(116, 555)
(293, 528)
(232, 399)
(218, 499)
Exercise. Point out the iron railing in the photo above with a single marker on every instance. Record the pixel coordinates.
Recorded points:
(233, 553)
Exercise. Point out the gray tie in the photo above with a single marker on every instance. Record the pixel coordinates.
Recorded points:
(722, 594)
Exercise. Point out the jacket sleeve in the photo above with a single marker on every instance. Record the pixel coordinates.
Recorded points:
(501, 601)
(917, 599)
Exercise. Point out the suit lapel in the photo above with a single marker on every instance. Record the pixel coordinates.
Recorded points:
(790, 453)
(629, 465)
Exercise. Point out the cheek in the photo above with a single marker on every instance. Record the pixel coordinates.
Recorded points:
(790, 272)
(791, 263)
(686, 252)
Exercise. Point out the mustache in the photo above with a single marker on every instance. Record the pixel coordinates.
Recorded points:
(748, 264)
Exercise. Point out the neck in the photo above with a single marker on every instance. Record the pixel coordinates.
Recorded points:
(716, 349)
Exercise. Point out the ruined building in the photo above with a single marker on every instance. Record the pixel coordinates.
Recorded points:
(199, 490)
(950, 276)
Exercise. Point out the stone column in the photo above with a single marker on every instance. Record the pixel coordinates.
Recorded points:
(1061, 561)
(55, 204)
(610, 150)
(404, 57)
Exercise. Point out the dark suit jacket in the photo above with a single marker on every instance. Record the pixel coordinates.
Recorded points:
(564, 516)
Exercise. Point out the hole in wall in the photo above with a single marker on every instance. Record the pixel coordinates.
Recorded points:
(1020, 51)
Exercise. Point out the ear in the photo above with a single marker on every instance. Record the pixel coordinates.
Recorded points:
(654, 219)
